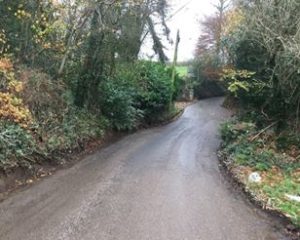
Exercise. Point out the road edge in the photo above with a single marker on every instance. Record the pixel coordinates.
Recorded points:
(290, 229)
(22, 179)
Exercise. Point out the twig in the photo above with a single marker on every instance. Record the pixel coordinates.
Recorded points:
(262, 131)
(266, 115)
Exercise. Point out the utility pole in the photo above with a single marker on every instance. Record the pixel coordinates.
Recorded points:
(175, 58)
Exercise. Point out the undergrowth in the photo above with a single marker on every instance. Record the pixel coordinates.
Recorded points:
(39, 120)
(252, 146)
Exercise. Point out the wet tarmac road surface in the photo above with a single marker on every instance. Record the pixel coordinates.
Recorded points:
(157, 184)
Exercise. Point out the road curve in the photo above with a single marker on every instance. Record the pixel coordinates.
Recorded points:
(157, 184)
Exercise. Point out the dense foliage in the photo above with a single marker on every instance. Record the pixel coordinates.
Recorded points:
(252, 48)
(210, 54)
(69, 70)
(267, 44)
(137, 94)
(275, 157)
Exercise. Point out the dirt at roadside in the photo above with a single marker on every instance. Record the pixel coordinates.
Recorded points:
(22, 178)
(182, 105)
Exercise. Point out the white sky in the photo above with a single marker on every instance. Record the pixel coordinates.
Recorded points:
(187, 21)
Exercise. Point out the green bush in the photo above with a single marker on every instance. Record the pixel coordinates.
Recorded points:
(155, 89)
(287, 139)
(244, 85)
(238, 142)
(16, 146)
(76, 128)
(137, 93)
(252, 47)
(232, 130)
(118, 105)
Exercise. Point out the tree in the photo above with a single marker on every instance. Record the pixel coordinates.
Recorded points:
(221, 7)
(278, 33)
(116, 34)
(32, 30)
(213, 28)
(81, 39)
(138, 22)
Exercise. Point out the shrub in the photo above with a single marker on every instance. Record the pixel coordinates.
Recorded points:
(16, 146)
(137, 93)
(231, 130)
(76, 128)
(37, 114)
(207, 70)
(245, 86)
(44, 96)
(156, 89)
(118, 105)
(12, 108)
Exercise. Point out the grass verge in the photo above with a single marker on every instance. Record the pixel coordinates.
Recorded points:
(248, 149)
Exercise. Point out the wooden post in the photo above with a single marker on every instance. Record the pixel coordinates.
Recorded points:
(175, 58)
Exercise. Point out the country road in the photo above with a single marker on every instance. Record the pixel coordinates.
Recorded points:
(157, 184)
